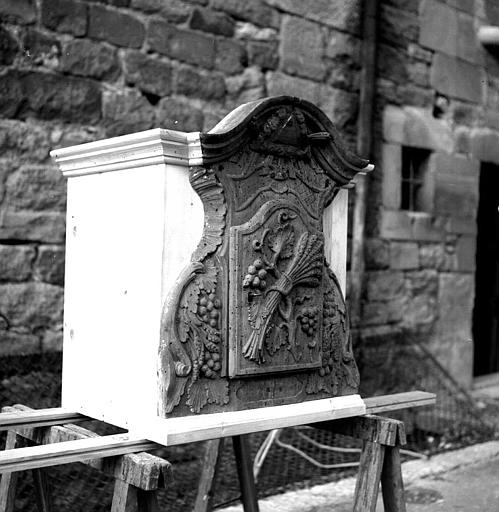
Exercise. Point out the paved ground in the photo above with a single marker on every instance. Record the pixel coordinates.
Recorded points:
(463, 480)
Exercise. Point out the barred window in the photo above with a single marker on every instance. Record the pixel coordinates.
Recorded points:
(414, 190)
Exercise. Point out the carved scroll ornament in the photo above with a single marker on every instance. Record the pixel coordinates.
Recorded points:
(258, 317)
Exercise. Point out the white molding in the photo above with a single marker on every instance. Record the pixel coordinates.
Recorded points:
(150, 147)
(488, 35)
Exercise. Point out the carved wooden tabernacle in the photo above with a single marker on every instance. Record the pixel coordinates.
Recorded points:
(212, 248)
(257, 317)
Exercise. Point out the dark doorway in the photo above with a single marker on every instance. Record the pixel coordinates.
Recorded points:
(486, 311)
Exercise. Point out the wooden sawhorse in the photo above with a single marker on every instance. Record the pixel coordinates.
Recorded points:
(379, 462)
(138, 476)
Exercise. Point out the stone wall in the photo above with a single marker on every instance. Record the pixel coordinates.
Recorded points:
(437, 91)
(74, 71)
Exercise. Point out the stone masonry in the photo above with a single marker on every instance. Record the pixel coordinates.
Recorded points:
(73, 71)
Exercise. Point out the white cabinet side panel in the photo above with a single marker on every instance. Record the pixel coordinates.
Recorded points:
(335, 223)
(113, 300)
(184, 216)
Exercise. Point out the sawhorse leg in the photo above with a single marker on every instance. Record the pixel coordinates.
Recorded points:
(379, 461)
(8, 482)
(211, 463)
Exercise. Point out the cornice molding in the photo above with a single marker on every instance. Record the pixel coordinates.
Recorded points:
(150, 147)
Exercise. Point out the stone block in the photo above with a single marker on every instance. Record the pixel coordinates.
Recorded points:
(398, 26)
(340, 14)
(485, 144)
(211, 21)
(377, 254)
(35, 188)
(16, 262)
(116, 27)
(432, 256)
(18, 11)
(418, 313)
(64, 16)
(49, 264)
(179, 115)
(339, 105)
(149, 74)
(263, 54)
(83, 57)
(466, 253)
(251, 78)
(279, 83)
(392, 175)
(11, 94)
(255, 11)
(199, 84)
(22, 141)
(33, 226)
(31, 305)
(462, 226)
(232, 57)
(393, 124)
(456, 194)
(391, 63)
(18, 344)
(428, 228)
(8, 47)
(344, 48)
(185, 45)
(415, 226)
(52, 341)
(422, 282)
(455, 303)
(41, 49)
(302, 47)
(404, 255)
(463, 5)
(455, 354)
(49, 96)
(457, 78)
(381, 313)
(422, 130)
(419, 73)
(384, 285)
(126, 111)
(459, 37)
(173, 11)
(395, 225)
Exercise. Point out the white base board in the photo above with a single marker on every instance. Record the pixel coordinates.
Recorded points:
(189, 429)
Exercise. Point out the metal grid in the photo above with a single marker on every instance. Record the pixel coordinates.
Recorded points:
(455, 421)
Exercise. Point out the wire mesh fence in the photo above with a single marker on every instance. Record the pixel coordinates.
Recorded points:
(288, 459)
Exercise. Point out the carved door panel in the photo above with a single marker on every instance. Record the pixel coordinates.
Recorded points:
(276, 271)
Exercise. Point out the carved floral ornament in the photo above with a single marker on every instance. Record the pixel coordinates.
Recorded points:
(258, 317)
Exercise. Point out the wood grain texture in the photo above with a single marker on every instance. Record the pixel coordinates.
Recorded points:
(142, 470)
(43, 493)
(392, 485)
(207, 482)
(375, 429)
(368, 478)
(124, 497)
(8, 481)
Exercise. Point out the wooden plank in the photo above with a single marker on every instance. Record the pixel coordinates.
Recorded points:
(39, 418)
(8, 481)
(142, 470)
(385, 403)
(206, 487)
(71, 451)
(42, 490)
(372, 428)
(392, 485)
(124, 497)
(367, 485)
